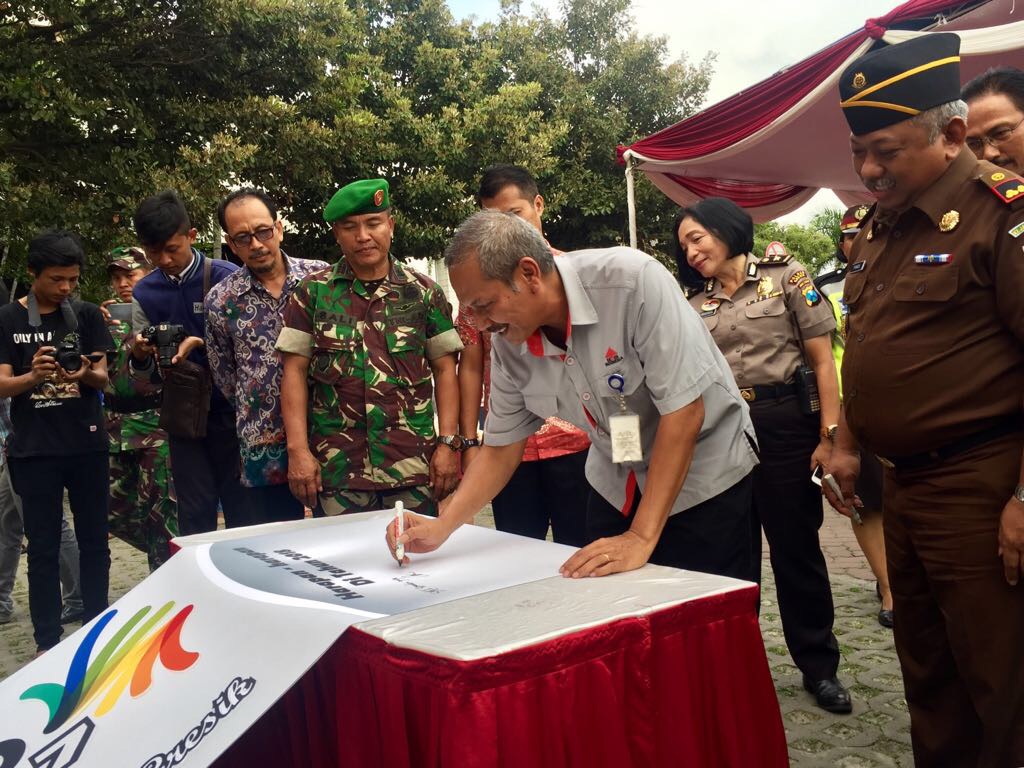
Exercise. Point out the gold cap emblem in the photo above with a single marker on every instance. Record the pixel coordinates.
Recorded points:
(949, 221)
(859, 81)
(861, 212)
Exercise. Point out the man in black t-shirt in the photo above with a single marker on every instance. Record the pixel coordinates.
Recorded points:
(53, 367)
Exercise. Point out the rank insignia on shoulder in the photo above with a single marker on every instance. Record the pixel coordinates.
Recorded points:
(949, 221)
(1016, 231)
(709, 285)
(775, 254)
(1006, 186)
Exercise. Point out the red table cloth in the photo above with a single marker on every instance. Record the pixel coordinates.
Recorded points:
(688, 685)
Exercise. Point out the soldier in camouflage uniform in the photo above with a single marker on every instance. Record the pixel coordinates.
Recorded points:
(360, 342)
(143, 509)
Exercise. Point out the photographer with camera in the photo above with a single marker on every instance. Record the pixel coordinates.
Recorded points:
(170, 322)
(53, 367)
(143, 509)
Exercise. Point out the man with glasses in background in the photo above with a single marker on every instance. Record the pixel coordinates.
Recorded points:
(245, 312)
(995, 102)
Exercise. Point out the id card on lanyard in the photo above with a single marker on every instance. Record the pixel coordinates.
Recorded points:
(624, 426)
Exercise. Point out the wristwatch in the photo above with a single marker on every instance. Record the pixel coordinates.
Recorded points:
(455, 442)
(829, 432)
(1018, 493)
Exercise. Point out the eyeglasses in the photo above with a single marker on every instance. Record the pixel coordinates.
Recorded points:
(244, 240)
(993, 139)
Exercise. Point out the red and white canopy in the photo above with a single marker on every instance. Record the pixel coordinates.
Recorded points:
(772, 146)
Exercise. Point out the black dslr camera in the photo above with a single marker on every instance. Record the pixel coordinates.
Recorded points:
(69, 353)
(166, 338)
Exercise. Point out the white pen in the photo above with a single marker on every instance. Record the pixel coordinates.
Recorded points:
(399, 527)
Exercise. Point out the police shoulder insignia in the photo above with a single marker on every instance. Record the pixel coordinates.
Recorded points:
(1006, 186)
(797, 276)
(775, 259)
(949, 221)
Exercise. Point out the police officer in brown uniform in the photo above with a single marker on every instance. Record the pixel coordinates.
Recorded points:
(767, 317)
(933, 377)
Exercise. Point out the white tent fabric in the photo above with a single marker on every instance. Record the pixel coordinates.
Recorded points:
(808, 146)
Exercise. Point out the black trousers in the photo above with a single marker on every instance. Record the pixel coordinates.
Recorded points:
(547, 491)
(40, 481)
(272, 504)
(789, 508)
(712, 537)
(206, 471)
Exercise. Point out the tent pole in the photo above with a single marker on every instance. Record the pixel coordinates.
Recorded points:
(627, 157)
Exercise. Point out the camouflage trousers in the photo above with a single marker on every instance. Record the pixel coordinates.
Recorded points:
(415, 498)
(143, 508)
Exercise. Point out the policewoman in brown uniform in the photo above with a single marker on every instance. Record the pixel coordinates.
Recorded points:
(933, 379)
(753, 309)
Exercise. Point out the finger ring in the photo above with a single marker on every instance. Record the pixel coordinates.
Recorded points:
(607, 559)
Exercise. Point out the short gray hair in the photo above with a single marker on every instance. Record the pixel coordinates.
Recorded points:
(935, 120)
(499, 241)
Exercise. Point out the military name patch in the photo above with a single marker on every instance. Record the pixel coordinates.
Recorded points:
(1016, 231)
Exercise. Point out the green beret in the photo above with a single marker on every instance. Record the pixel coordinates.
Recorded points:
(897, 82)
(126, 257)
(364, 196)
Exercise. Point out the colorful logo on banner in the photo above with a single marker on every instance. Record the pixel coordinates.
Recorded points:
(125, 663)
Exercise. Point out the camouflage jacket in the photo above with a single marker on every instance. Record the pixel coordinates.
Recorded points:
(129, 431)
(371, 412)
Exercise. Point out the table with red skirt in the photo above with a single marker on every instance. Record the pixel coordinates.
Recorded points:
(657, 667)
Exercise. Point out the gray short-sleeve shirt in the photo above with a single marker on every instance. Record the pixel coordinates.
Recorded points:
(627, 317)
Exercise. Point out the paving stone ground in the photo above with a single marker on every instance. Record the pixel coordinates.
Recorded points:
(876, 734)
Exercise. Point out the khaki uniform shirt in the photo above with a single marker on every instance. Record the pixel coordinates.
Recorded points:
(934, 351)
(754, 327)
(628, 320)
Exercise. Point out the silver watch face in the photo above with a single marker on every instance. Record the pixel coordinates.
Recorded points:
(1018, 493)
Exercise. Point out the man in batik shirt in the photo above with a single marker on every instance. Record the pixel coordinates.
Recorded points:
(244, 314)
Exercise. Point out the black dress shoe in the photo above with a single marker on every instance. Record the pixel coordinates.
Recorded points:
(830, 695)
(885, 618)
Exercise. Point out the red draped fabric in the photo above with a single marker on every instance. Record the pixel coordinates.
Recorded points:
(686, 686)
(742, 115)
(748, 194)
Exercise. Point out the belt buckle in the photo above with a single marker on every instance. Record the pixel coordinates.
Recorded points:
(748, 394)
(885, 462)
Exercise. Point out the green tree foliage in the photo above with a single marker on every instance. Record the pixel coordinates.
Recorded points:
(827, 221)
(103, 102)
(805, 244)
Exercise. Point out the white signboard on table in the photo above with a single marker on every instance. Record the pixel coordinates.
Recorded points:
(182, 665)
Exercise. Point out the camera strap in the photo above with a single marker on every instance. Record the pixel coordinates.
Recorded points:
(35, 319)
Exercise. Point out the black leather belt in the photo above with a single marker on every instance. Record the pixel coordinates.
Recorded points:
(941, 454)
(767, 392)
(131, 404)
